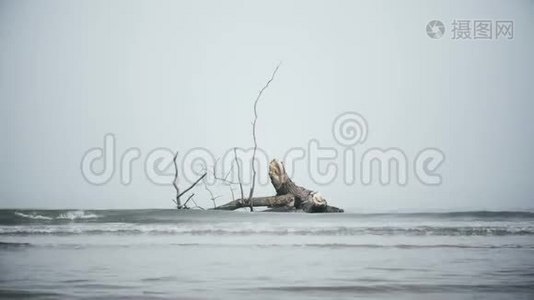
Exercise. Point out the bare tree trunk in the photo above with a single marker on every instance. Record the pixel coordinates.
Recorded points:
(288, 195)
(272, 201)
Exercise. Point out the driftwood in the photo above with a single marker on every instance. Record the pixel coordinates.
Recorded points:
(289, 196)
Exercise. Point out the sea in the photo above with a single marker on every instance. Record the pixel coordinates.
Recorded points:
(195, 254)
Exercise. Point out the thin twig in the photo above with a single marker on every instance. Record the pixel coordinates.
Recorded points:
(254, 135)
(232, 191)
(195, 183)
(212, 198)
(177, 201)
(196, 205)
(224, 179)
(174, 183)
(189, 198)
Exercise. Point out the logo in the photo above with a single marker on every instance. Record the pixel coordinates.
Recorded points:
(435, 29)
(466, 29)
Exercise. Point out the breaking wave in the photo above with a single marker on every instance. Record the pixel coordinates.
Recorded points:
(32, 216)
(79, 214)
(211, 223)
(68, 215)
(226, 230)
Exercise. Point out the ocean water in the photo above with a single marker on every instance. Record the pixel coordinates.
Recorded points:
(170, 254)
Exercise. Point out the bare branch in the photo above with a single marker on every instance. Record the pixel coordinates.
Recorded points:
(232, 191)
(212, 197)
(189, 198)
(254, 136)
(177, 200)
(175, 184)
(196, 205)
(195, 183)
(224, 179)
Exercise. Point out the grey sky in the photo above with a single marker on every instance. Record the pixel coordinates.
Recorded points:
(183, 74)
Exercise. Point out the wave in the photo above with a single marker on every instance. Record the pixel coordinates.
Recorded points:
(150, 216)
(4, 245)
(173, 222)
(32, 216)
(482, 214)
(272, 245)
(69, 215)
(370, 246)
(74, 215)
(414, 246)
(248, 230)
(499, 289)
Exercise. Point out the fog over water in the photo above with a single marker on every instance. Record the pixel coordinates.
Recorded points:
(183, 74)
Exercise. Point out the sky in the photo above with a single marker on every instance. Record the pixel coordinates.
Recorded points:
(157, 77)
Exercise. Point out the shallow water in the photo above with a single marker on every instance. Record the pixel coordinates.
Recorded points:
(235, 255)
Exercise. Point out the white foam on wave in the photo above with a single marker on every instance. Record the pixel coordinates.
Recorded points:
(69, 215)
(225, 229)
(32, 216)
(78, 214)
